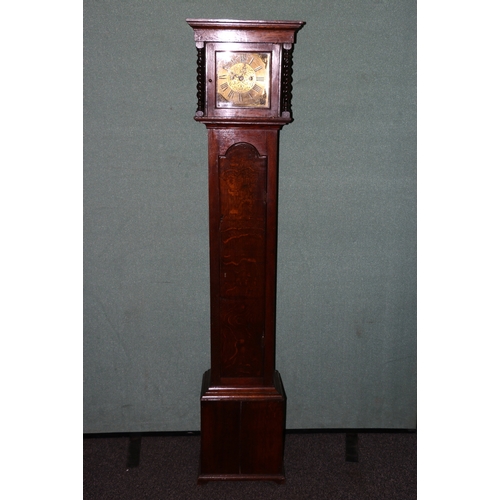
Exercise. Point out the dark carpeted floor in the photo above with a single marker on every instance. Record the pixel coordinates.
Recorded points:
(315, 468)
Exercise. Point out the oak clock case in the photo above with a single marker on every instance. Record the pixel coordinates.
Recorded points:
(244, 93)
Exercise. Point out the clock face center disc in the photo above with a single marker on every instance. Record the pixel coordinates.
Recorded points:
(241, 77)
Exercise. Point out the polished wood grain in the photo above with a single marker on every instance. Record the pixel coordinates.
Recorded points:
(242, 247)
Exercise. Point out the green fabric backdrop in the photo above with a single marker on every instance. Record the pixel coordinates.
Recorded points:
(346, 306)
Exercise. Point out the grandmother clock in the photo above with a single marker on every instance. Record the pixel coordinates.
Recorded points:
(244, 94)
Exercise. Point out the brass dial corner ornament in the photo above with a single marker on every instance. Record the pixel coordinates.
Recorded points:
(242, 79)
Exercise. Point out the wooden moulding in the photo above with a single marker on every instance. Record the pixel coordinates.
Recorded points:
(232, 30)
(213, 392)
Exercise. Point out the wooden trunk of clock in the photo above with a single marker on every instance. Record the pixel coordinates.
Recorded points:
(242, 400)
(244, 101)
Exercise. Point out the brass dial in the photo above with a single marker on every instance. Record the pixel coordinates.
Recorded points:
(243, 79)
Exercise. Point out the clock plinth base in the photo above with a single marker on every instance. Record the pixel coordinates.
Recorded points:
(242, 432)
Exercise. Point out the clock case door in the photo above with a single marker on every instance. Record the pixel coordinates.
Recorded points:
(211, 78)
